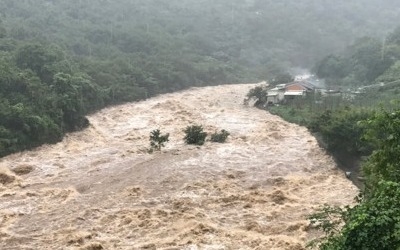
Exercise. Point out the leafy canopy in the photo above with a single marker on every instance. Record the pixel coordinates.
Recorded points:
(374, 223)
(220, 137)
(195, 135)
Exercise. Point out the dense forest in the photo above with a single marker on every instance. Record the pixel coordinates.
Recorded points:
(63, 59)
(369, 60)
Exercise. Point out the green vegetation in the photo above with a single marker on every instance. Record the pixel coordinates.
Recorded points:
(195, 135)
(42, 96)
(341, 132)
(364, 129)
(374, 223)
(60, 60)
(350, 126)
(383, 131)
(158, 140)
(367, 73)
(258, 93)
(291, 114)
(220, 137)
(337, 130)
(368, 60)
(350, 132)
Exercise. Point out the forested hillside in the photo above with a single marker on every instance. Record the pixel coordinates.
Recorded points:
(369, 60)
(62, 59)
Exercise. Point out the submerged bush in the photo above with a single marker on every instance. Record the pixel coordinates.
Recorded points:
(195, 135)
(157, 140)
(259, 93)
(220, 137)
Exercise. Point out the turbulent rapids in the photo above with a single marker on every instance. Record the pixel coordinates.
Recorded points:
(101, 189)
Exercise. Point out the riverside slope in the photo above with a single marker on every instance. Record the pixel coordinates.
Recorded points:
(100, 189)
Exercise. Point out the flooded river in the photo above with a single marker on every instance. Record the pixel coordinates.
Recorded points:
(100, 188)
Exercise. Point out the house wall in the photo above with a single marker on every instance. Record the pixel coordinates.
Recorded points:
(276, 97)
(281, 96)
(272, 99)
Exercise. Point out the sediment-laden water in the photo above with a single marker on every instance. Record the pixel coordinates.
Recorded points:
(101, 189)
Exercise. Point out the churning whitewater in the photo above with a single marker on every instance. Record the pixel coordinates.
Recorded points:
(100, 188)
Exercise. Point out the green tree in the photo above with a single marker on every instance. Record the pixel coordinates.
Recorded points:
(335, 127)
(220, 137)
(383, 130)
(372, 224)
(39, 58)
(332, 66)
(70, 101)
(158, 140)
(259, 93)
(195, 135)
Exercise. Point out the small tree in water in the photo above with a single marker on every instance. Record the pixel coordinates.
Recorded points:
(220, 137)
(195, 135)
(157, 140)
(258, 93)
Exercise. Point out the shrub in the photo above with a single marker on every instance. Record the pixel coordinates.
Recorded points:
(195, 135)
(371, 224)
(336, 127)
(382, 131)
(157, 140)
(220, 137)
(259, 93)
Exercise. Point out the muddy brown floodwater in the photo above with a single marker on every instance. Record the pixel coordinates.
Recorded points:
(100, 189)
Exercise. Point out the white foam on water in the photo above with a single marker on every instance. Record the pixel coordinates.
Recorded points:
(101, 188)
